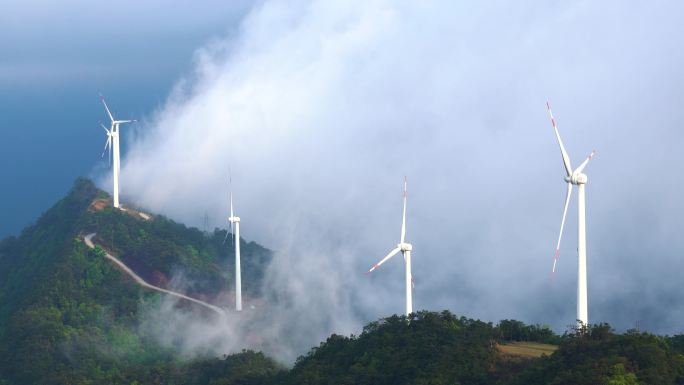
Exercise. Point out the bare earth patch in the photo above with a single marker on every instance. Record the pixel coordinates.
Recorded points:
(99, 204)
(526, 349)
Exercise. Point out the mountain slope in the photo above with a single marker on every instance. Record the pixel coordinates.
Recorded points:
(26, 261)
(88, 239)
(68, 315)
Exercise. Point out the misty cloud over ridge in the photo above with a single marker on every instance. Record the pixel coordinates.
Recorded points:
(320, 108)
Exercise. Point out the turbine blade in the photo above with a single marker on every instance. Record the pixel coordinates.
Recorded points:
(390, 255)
(230, 185)
(564, 154)
(108, 144)
(224, 239)
(584, 164)
(231, 204)
(106, 108)
(232, 224)
(105, 128)
(560, 235)
(403, 217)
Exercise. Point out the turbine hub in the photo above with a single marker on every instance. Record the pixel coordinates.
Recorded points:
(234, 219)
(405, 246)
(577, 178)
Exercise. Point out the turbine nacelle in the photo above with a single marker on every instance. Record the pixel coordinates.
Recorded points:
(233, 219)
(576, 178)
(405, 246)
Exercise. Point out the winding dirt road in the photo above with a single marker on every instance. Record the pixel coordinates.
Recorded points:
(89, 242)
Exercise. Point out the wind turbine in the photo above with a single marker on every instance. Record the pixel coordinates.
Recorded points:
(113, 143)
(235, 221)
(405, 249)
(575, 177)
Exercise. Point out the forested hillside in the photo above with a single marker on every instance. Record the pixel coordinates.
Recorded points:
(440, 348)
(68, 316)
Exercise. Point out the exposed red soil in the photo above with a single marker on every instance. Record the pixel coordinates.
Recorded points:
(98, 204)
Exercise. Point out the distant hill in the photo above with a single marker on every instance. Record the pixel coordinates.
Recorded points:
(69, 316)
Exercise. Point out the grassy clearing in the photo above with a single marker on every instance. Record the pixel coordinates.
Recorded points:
(526, 349)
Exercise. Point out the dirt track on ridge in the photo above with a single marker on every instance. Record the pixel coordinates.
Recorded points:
(89, 242)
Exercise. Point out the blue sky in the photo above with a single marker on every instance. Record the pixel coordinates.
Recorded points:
(321, 107)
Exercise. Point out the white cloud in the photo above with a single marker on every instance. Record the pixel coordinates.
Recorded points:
(321, 107)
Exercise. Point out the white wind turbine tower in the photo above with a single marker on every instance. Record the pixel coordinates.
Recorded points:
(235, 221)
(575, 177)
(113, 143)
(405, 249)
